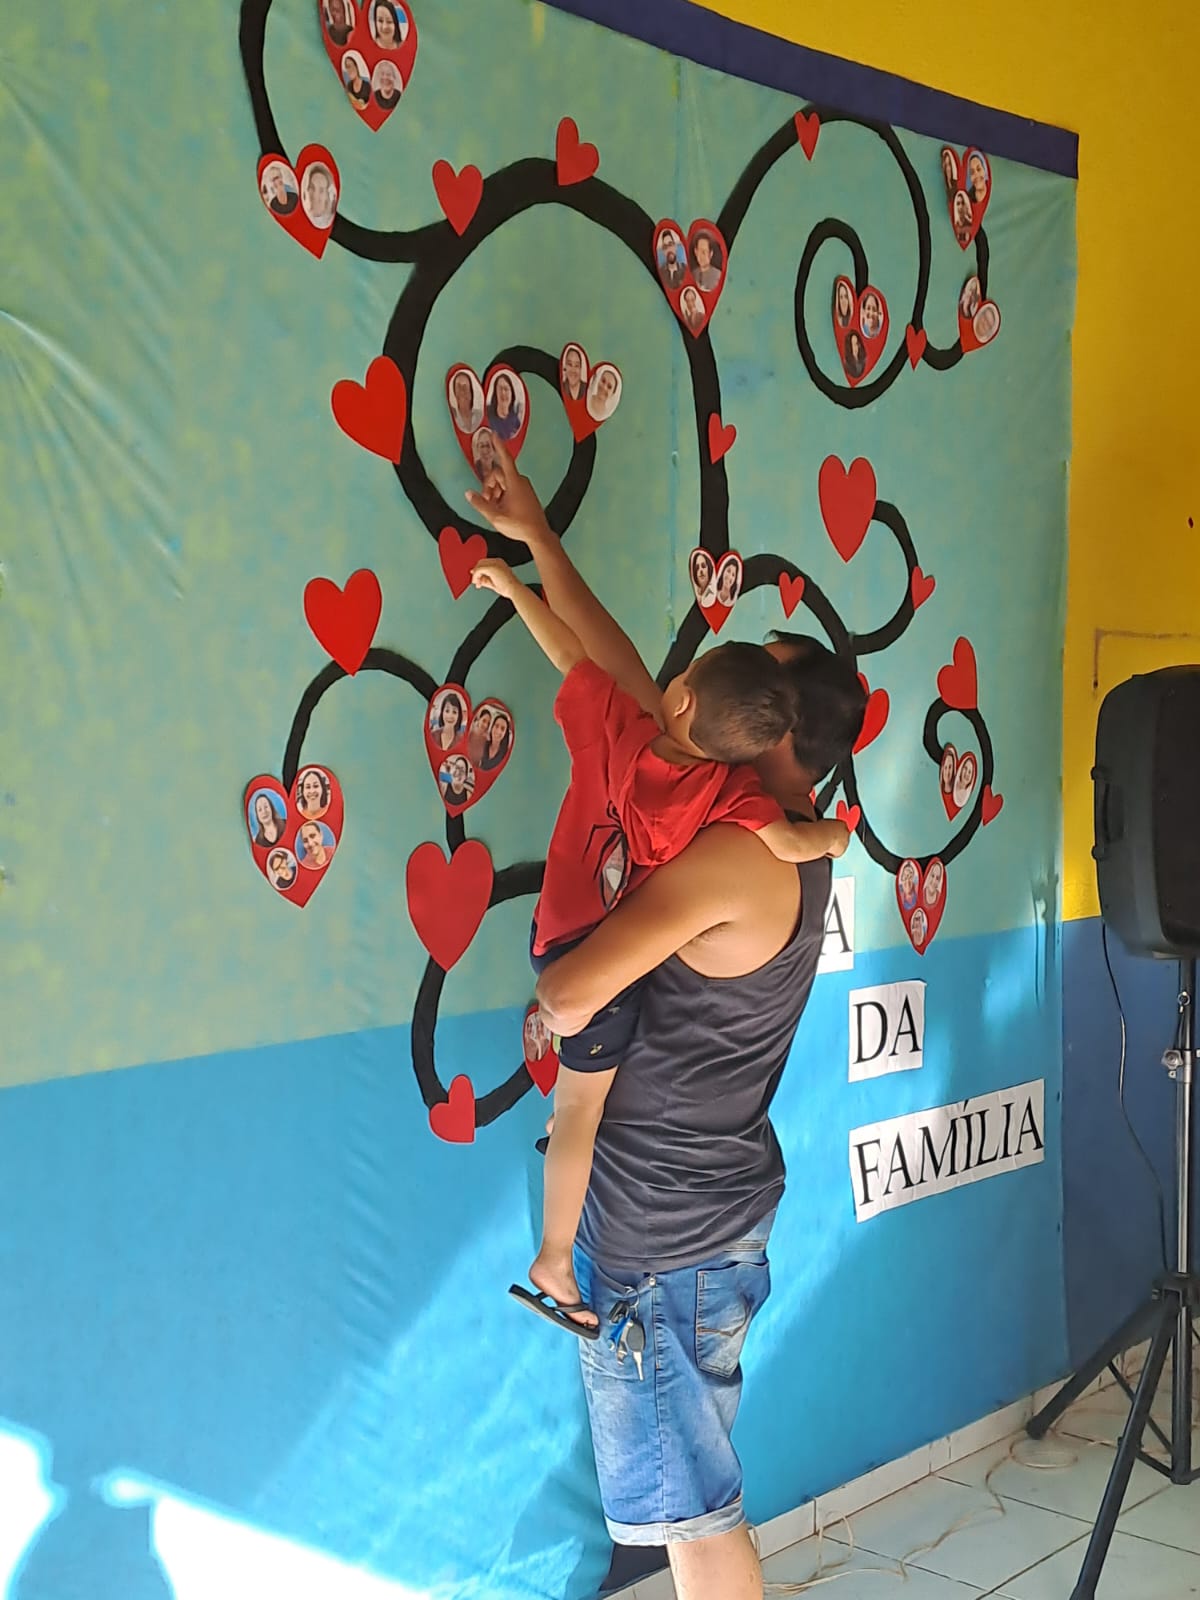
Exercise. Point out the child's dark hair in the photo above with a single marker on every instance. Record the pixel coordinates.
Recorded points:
(744, 702)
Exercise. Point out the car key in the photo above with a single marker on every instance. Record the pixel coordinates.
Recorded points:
(635, 1343)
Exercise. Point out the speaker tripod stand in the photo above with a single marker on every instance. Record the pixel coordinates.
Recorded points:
(1166, 1319)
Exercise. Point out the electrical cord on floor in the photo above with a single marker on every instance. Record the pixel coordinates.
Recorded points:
(1141, 1149)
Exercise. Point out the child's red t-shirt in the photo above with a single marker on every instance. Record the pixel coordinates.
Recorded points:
(626, 810)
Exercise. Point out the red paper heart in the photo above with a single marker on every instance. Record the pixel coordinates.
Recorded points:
(921, 587)
(959, 180)
(344, 620)
(958, 777)
(978, 319)
(847, 503)
(875, 716)
(850, 815)
(287, 197)
(374, 415)
(469, 752)
(685, 286)
(575, 161)
(458, 193)
(791, 591)
(916, 339)
(720, 438)
(315, 804)
(471, 440)
(541, 1059)
(808, 131)
(447, 900)
(992, 806)
(958, 684)
(589, 408)
(921, 895)
(358, 43)
(454, 1119)
(459, 558)
(862, 318)
(716, 610)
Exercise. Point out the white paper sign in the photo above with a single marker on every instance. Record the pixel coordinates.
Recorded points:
(887, 1029)
(928, 1152)
(837, 952)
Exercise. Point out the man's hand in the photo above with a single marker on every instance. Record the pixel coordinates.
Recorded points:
(509, 502)
(497, 576)
(839, 839)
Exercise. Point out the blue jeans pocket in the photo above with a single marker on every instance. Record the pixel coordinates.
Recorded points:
(727, 1299)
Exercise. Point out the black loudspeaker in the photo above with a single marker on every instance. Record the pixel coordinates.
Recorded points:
(1147, 811)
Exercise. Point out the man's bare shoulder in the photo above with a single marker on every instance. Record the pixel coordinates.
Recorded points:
(759, 899)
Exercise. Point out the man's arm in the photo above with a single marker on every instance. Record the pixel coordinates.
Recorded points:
(512, 507)
(715, 882)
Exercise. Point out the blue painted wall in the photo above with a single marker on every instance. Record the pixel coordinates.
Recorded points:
(239, 1281)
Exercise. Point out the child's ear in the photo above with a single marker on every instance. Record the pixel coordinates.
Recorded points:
(680, 700)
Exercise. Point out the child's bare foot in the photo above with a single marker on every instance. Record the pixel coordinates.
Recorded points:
(557, 1279)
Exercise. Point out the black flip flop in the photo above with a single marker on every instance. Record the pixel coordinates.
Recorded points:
(554, 1312)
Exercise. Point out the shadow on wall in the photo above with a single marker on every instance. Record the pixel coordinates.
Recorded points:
(257, 1285)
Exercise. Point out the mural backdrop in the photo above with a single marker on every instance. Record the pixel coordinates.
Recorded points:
(253, 1312)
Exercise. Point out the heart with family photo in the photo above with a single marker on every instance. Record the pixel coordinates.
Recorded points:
(860, 326)
(293, 837)
(717, 582)
(921, 897)
(978, 319)
(968, 189)
(590, 394)
(959, 775)
(372, 45)
(468, 747)
(497, 408)
(541, 1059)
(692, 271)
(303, 199)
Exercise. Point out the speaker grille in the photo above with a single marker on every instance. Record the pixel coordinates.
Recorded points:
(1176, 831)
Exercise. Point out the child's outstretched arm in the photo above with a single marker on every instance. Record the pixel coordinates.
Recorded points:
(512, 507)
(560, 644)
(805, 841)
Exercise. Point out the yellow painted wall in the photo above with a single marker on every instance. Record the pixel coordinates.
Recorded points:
(1124, 80)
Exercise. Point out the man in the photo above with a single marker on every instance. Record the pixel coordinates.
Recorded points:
(706, 274)
(687, 1171)
(672, 272)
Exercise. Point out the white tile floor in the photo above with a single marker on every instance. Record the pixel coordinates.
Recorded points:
(1021, 1513)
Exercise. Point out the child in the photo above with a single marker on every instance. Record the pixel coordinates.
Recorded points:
(641, 788)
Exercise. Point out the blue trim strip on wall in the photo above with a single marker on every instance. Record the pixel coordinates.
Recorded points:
(714, 41)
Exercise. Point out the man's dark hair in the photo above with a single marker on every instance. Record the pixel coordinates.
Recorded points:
(830, 703)
(744, 702)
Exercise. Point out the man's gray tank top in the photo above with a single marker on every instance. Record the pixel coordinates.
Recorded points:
(686, 1158)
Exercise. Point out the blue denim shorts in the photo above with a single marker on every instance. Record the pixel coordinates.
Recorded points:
(667, 1467)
